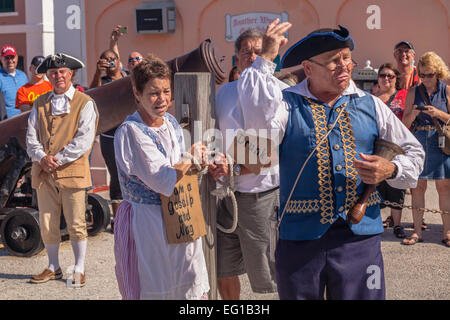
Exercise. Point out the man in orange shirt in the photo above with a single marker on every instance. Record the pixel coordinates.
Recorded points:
(33, 89)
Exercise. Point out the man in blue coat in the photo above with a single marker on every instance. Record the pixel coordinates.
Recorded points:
(327, 126)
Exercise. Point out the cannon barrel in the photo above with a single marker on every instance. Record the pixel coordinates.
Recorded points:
(115, 100)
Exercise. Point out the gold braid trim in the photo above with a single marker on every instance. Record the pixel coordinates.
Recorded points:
(323, 162)
(374, 199)
(325, 202)
(303, 206)
(348, 146)
(310, 206)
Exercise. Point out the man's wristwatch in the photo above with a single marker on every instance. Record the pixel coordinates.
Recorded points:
(237, 170)
(394, 174)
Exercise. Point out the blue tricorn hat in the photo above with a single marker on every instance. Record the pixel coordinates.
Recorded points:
(59, 60)
(315, 43)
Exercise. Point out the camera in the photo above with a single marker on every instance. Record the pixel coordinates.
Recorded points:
(111, 64)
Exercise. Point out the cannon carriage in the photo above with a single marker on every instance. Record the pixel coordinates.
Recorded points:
(19, 215)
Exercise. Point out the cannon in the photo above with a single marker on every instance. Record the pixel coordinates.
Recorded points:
(19, 215)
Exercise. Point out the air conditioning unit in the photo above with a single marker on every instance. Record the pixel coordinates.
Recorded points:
(155, 17)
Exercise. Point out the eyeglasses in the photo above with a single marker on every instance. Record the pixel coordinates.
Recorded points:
(133, 59)
(427, 75)
(386, 75)
(400, 51)
(332, 66)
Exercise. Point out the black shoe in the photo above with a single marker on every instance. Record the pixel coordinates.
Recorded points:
(399, 232)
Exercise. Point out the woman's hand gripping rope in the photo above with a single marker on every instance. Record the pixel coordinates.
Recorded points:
(222, 165)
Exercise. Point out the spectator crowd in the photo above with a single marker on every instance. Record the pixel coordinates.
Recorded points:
(409, 105)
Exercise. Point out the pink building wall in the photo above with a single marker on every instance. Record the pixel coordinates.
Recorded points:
(18, 40)
(423, 22)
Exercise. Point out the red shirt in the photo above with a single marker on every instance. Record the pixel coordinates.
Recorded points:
(397, 103)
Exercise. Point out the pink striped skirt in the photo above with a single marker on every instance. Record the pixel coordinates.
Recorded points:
(127, 273)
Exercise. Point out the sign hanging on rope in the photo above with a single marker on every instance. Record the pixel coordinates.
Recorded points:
(182, 211)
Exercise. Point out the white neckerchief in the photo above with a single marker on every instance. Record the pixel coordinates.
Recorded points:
(60, 103)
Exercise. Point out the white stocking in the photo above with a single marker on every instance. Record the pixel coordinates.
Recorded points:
(53, 259)
(79, 250)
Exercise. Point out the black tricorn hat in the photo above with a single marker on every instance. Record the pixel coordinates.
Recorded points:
(59, 60)
(315, 43)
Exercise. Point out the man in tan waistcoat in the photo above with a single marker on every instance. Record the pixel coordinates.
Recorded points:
(61, 132)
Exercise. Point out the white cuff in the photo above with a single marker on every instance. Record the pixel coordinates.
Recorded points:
(264, 65)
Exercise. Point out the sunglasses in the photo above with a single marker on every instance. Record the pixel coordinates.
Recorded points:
(133, 59)
(385, 75)
(427, 75)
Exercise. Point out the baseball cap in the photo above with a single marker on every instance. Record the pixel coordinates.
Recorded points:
(37, 60)
(8, 51)
(406, 43)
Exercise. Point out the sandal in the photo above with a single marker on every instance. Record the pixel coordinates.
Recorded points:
(399, 232)
(389, 222)
(414, 239)
(446, 242)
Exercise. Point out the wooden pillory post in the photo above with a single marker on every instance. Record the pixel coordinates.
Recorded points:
(194, 108)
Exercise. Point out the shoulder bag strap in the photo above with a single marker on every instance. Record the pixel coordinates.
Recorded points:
(391, 98)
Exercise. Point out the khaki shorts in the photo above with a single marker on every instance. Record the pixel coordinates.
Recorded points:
(248, 248)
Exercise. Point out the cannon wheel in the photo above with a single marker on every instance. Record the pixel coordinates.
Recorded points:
(21, 234)
(98, 214)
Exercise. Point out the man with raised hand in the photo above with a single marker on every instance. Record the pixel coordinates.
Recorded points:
(328, 118)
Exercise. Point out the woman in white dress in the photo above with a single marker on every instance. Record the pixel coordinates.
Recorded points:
(148, 147)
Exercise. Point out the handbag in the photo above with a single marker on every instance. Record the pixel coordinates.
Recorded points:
(443, 131)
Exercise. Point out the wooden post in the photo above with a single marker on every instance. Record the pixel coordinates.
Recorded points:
(194, 107)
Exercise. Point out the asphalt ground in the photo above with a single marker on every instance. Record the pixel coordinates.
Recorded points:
(414, 272)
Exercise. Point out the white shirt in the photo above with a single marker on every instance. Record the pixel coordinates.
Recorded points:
(265, 108)
(80, 144)
(166, 271)
(137, 155)
(229, 113)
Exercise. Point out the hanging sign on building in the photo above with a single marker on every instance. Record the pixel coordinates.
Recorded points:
(237, 24)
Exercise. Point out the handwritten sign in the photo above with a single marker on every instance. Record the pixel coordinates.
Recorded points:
(182, 211)
(253, 151)
(237, 24)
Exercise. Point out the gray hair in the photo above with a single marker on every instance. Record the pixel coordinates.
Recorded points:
(250, 33)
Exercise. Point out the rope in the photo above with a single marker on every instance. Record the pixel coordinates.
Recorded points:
(228, 191)
(221, 193)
